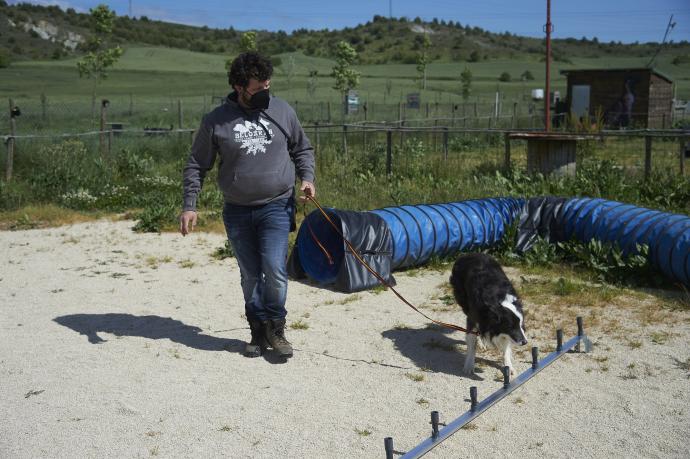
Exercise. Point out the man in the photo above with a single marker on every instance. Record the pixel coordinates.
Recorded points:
(260, 143)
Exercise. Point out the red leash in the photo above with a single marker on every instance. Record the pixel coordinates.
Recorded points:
(371, 270)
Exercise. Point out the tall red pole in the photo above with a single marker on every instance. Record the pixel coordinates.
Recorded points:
(547, 96)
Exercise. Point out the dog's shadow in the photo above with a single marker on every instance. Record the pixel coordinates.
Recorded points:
(434, 350)
(151, 327)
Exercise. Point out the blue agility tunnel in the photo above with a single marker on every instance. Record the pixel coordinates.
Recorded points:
(404, 236)
(420, 232)
(666, 234)
(395, 237)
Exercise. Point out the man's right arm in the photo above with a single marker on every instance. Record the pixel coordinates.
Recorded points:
(200, 161)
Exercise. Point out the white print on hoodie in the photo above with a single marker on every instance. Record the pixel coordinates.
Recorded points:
(252, 137)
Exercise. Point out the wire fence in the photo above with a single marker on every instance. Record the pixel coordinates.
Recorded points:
(390, 148)
(44, 114)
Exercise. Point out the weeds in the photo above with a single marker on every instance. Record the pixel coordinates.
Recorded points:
(416, 377)
(299, 325)
(221, 253)
(363, 432)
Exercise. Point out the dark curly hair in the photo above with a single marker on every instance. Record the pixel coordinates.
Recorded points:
(249, 65)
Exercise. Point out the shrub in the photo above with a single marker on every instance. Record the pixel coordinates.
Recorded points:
(154, 217)
(64, 168)
(505, 76)
(5, 58)
(527, 76)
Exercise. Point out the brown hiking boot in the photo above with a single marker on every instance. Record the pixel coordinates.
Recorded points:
(275, 334)
(258, 344)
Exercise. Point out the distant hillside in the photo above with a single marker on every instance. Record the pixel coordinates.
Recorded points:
(30, 32)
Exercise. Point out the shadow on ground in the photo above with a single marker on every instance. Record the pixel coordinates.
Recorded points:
(434, 350)
(152, 327)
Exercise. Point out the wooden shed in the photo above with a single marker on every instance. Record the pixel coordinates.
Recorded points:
(634, 97)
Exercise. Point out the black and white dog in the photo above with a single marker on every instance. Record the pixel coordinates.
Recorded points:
(491, 305)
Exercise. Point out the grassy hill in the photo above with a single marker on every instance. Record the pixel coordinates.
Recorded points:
(23, 30)
(164, 61)
(165, 72)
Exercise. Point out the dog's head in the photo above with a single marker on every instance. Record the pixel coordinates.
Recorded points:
(512, 320)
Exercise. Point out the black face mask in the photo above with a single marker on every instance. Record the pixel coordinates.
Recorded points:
(259, 100)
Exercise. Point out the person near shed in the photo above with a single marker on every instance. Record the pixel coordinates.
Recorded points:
(261, 147)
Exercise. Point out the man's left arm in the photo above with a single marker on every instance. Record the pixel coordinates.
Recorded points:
(303, 156)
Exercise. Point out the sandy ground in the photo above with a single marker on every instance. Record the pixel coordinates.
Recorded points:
(116, 344)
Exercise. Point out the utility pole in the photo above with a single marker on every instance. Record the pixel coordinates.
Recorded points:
(547, 97)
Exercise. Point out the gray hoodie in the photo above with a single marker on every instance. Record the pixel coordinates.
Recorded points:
(255, 167)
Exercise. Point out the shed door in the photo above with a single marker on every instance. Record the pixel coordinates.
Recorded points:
(580, 105)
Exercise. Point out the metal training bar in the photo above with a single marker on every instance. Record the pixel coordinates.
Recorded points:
(477, 408)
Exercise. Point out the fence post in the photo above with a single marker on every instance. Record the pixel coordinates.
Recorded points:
(10, 145)
(328, 107)
(427, 110)
(647, 156)
(506, 157)
(445, 144)
(682, 156)
(452, 122)
(435, 136)
(179, 114)
(131, 104)
(364, 138)
(110, 139)
(101, 134)
(389, 152)
(316, 135)
(514, 120)
(345, 140)
(44, 103)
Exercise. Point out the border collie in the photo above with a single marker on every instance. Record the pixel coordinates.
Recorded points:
(491, 305)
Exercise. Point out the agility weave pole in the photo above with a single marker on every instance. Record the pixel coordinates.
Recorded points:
(477, 408)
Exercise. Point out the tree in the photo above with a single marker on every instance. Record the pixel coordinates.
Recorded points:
(466, 79)
(474, 56)
(505, 76)
(527, 76)
(423, 60)
(312, 83)
(248, 42)
(345, 77)
(99, 56)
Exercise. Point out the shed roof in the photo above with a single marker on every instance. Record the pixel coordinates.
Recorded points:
(630, 69)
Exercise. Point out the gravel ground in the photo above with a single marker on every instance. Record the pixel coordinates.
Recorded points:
(117, 344)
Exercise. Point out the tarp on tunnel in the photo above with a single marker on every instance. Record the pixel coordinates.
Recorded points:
(322, 255)
(584, 219)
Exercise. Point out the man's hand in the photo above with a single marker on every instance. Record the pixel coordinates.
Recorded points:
(307, 189)
(187, 222)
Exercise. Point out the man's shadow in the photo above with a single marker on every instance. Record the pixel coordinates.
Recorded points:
(432, 349)
(152, 327)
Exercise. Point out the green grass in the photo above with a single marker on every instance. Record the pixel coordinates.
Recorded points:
(164, 72)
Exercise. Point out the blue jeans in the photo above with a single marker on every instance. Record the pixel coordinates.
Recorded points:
(259, 238)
